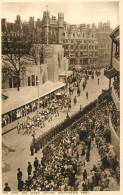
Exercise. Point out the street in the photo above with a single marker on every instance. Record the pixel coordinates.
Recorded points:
(16, 146)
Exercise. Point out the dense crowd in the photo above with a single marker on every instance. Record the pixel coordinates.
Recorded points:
(117, 88)
(62, 166)
(38, 120)
(115, 117)
(44, 101)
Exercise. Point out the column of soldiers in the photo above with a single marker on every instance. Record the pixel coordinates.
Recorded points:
(42, 140)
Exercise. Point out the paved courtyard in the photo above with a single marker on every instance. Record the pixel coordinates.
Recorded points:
(16, 153)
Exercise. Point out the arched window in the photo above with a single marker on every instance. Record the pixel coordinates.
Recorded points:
(36, 80)
(14, 82)
(33, 80)
(10, 82)
(29, 81)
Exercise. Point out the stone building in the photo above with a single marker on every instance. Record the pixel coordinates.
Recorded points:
(104, 43)
(33, 73)
(83, 44)
(80, 44)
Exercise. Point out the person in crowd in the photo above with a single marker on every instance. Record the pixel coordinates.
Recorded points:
(19, 175)
(80, 107)
(20, 185)
(18, 128)
(75, 100)
(29, 169)
(67, 117)
(7, 188)
(36, 163)
(84, 175)
(87, 95)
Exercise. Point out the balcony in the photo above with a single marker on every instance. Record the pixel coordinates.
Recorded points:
(110, 73)
(115, 98)
(114, 139)
(116, 64)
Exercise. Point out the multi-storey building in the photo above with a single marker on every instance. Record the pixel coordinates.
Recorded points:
(80, 44)
(83, 44)
(104, 42)
(52, 29)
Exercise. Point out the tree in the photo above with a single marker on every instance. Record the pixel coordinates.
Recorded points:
(16, 47)
(36, 52)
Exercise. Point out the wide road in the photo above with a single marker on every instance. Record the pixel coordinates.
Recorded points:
(15, 151)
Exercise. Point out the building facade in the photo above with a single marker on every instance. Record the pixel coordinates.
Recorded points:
(80, 44)
(33, 74)
(83, 44)
(104, 42)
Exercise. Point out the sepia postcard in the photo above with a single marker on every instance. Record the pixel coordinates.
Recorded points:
(60, 97)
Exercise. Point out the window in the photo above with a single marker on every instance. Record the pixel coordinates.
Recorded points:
(84, 46)
(89, 47)
(81, 54)
(84, 41)
(10, 82)
(15, 82)
(71, 41)
(92, 47)
(29, 81)
(66, 41)
(81, 47)
(71, 47)
(33, 80)
(36, 80)
(66, 46)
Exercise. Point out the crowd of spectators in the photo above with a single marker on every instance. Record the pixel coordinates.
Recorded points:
(115, 117)
(53, 107)
(44, 102)
(116, 87)
(62, 167)
(50, 104)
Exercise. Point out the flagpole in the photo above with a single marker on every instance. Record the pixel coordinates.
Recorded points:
(47, 24)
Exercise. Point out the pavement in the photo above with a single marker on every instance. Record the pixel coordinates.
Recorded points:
(15, 151)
